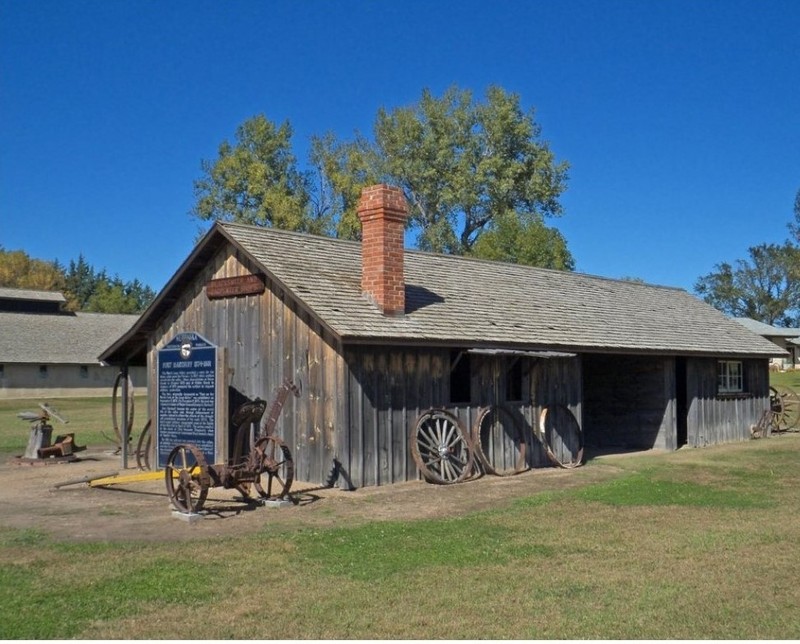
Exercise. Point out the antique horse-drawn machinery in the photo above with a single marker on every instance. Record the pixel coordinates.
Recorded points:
(266, 467)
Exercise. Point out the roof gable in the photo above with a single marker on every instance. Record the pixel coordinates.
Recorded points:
(460, 301)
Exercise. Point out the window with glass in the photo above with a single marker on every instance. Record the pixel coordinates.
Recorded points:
(730, 378)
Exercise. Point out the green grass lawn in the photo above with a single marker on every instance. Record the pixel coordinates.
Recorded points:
(693, 544)
(786, 378)
(88, 418)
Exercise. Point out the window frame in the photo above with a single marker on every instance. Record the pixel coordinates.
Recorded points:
(730, 377)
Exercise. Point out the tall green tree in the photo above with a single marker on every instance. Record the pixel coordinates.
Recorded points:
(468, 169)
(255, 180)
(765, 287)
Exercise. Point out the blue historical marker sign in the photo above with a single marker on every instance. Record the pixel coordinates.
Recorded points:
(187, 395)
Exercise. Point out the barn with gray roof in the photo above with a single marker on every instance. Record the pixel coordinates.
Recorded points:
(376, 335)
(46, 351)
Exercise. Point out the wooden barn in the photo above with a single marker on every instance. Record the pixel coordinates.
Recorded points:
(375, 335)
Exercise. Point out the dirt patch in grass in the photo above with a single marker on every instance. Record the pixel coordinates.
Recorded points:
(142, 510)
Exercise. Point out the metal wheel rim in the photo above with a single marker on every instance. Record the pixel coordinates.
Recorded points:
(186, 477)
(520, 464)
(114, 419)
(275, 464)
(541, 434)
(441, 449)
(143, 446)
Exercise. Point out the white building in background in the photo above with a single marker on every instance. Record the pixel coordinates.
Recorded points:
(786, 338)
(46, 351)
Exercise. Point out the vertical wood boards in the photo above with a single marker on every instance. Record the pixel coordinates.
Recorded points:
(714, 418)
(267, 337)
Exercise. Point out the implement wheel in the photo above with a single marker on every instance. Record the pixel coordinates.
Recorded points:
(143, 447)
(499, 442)
(276, 468)
(560, 436)
(441, 448)
(784, 407)
(187, 479)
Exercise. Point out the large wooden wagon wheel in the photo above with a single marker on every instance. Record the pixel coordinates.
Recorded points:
(441, 448)
(187, 478)
(561, 436)
(276, 468)
(499, 442)
(784, 406)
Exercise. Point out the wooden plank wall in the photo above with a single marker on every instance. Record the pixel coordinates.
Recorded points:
(629, 401)
(714, 418)
(387, 390)
(268, 338)
(554, 381)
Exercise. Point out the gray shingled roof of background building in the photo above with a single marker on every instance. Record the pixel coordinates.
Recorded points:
(42, 338)
(475, 302)
(767, 330)
(27, 294)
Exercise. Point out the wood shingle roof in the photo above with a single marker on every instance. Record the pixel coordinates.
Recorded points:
(62, 338)
(458, 300)
(465, 302)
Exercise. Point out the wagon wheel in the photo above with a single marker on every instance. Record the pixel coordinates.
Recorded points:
(499, 448)
(187, 479)
(560, 436)
(116, 403)
(275, 464)
(441, 448)
(143, 447)
(784, 407)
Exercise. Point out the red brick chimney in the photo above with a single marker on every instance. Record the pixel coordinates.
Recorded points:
(383, 211)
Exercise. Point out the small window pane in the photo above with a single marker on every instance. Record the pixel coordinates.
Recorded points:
(730, 378)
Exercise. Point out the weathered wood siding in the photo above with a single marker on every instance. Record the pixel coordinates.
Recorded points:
(388, 388)
(716, 418)
(268, 338)
(629, 401)
(554, 382)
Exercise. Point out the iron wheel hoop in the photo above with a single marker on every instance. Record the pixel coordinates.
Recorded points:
(520, 465)
(441, 448)
(274, 463)
(115, 417)
(186, 477)
(143, 446)
(542, 435)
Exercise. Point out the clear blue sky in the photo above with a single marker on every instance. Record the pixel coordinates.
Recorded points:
(680, 119)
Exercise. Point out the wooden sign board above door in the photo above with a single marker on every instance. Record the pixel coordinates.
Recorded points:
(235, 286)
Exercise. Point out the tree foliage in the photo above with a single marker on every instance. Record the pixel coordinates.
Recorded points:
(256, 181)
(84, 288)
(472, 172)
(18, 270)
(765, 286)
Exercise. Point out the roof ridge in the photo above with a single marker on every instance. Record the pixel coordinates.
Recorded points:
(445, 256)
